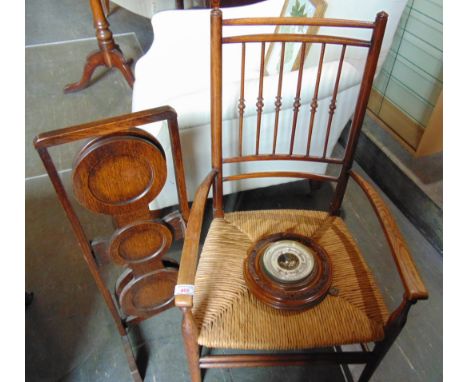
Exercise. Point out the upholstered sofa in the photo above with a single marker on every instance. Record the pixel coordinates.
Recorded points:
(147, 8)
(176, 72)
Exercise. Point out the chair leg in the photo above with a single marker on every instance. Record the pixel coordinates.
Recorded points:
(131, 360)
(380, 350)
(393, 328)
(192, 350)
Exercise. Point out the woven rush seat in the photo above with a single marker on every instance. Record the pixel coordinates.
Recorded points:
(229, 316)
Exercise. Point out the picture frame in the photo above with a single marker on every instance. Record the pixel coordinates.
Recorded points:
(293, 8)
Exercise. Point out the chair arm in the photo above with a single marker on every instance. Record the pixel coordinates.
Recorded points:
(414, 286)
(188, 261)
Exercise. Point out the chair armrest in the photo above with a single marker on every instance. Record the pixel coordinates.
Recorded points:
(188, 261)
(414, 286)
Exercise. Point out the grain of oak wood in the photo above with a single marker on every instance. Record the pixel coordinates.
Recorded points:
(118, 173)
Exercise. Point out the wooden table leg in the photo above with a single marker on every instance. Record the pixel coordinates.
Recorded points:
(109, 53)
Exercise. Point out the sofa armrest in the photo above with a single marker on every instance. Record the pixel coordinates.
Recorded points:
(193, 108)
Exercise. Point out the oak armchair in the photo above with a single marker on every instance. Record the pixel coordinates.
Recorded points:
(222, 307)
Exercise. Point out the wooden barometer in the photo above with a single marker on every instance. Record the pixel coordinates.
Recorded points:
(288, 271)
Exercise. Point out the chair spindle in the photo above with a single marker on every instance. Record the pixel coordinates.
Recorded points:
(241, 99)
(297, 99)
(260, 103)
(332, 106)
(314, 103)
(278, 96)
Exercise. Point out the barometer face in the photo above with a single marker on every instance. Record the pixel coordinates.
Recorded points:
(288, 261)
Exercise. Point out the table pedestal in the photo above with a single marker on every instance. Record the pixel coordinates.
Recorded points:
(109, 53)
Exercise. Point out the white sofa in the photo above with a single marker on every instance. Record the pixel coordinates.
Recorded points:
(147, 8)
(176, 72)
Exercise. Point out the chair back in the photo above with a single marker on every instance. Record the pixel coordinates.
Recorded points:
(310, 144)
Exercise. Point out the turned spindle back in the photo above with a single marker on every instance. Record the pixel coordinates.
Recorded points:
(269, 151)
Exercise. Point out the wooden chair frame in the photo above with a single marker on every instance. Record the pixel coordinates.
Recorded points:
(91, 250)
(413, 285)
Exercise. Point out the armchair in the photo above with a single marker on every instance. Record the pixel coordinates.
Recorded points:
(181, 51)
(318, 292)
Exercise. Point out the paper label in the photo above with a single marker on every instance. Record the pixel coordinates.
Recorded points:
(184, 289)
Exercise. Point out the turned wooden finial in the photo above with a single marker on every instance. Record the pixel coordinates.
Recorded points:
(381, 15)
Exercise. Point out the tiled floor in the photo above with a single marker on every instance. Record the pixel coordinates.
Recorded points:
(426, 171)
(414, 184)
(69, 333)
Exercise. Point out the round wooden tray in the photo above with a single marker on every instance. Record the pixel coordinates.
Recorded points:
(285, 291)
(146, 295)
(117, 174)
(140, 242)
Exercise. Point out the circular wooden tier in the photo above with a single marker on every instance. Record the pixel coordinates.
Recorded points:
(119, 174)
(147, 294)
(142, 242)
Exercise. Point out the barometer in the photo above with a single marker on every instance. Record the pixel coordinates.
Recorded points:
(288, 271)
